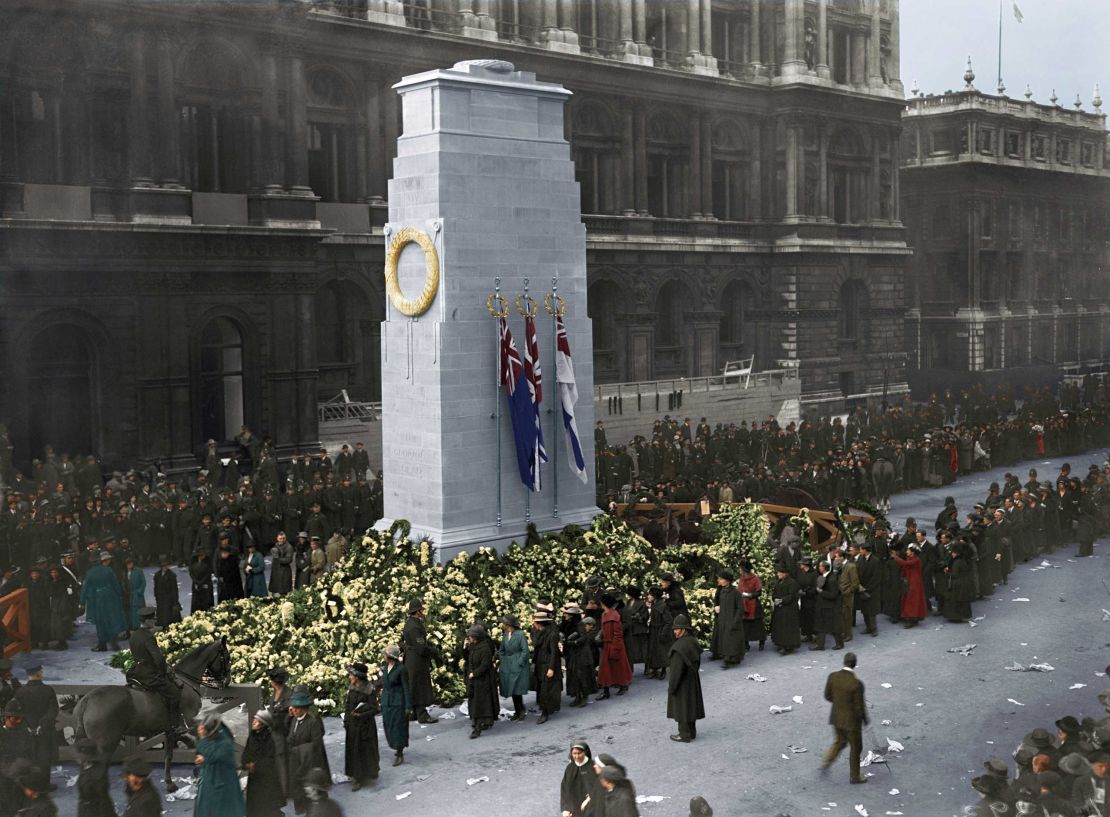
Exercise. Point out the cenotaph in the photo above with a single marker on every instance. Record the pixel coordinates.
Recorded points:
(484, 219)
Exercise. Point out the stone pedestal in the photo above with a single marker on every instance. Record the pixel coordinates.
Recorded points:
(702, 64)
(386, 12)
(483, 170)
(283, 210)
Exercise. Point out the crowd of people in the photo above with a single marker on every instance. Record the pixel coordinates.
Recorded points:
(1058, 773)
(79, 544)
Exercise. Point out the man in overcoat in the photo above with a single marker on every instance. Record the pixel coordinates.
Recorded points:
(684, 700)
(848, 716)
(418, 658)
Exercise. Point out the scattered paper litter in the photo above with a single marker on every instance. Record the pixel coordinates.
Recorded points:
(886, 685)
(778, 710)
(1042, 667)
(797, 699)
(1077, 686)
(338, 777)
(403, 795)
(187, 790)
(893, 813)
(1047, 563)
(894, 791)
(972, 624)
(979, 618)
(833, 805)
(755, 676)
(1015, 703)
(1020, 598)
(1105, 614)
(420, 778)
(885, 723)
(447, 716)
(72, 781)
(470, 781)
(797, 749)
(965, 650)
(785, 757)
(464, 709)
(651, 798)
(894, 746)
(430, 737)
(872, 757)
(919, 704)
(860, 810)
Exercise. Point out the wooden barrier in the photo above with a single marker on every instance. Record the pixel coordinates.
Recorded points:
(15, 617)
(824, 531)
(151, 748)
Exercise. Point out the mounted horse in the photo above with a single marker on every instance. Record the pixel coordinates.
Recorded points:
(110, 713)
(884, 480)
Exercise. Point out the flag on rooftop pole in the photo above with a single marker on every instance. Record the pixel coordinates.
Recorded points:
(568, 396)
(1017, 12)
(532, 374)
(521, 410)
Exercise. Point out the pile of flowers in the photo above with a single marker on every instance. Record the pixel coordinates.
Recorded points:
(360, 607)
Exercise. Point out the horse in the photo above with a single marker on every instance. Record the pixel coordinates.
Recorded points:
(883, 481)
(109, 713)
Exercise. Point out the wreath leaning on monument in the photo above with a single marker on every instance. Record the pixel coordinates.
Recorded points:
(402, 238)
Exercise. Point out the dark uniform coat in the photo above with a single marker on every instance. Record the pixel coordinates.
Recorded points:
(634, 617)
(265, 795)
(166, 598)
(304, 751)
(281, 568)
(546, 656)
(93, 799)
(786, 619)
(660, 636)
(481, 690)
(200, 571)
(684, 700)
(40, 711)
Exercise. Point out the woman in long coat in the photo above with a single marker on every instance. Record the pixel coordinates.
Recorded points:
(254, 568)
(481, 683)
(660, 634)
(396, 702)
(361, 761)
(265, 797)
(728, 640)
(914, 607)
(513, 671)
(750, 587)
(580, 654)
(613, 669)
(961, 586)
(218, 793)
(786, 619)
(200, 571)
(634, 617)
(167, 598)
(547, 665)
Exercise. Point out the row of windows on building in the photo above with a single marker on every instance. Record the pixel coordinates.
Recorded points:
(995, 219)
(1018, 342)
(1010, 144)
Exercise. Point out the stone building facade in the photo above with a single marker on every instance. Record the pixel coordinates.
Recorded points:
(192, 196)
(1005, 203)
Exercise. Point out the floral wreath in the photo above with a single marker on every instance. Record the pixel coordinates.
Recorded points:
(412, 308)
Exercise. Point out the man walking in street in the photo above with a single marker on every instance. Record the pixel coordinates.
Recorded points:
(848, 716)
(684, 698)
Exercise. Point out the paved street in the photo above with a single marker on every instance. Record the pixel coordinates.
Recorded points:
(949, 711)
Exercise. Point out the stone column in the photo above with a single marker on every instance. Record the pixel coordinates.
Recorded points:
(693, 27)
(895, 175)
(476, 20)
(707, 27)
(641, 159)
(755, 52)
(793, 63)
(568, 23)
(273, 148)
(628, 161)
(698, 38)
(894, 70)
(823, 39)
(792, 175)
(875, 205)
(693, 190)
(298, 126)
(706, 167)
(755, 175)
(639, 29)
(169, 151)
(875, 77)
(823, 172)
(138, 113)
(386, 12)
(377, 150)
(631, 32)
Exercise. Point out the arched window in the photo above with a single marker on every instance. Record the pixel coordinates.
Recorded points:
(221, 379)
(668, 149)
(61, 389)
(595, 146)
(853, 312)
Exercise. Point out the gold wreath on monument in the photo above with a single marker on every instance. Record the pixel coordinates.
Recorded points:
(497, 306)
(412, 308)
(527, 307)
(554, 305)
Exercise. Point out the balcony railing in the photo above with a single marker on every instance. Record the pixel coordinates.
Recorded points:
(694, 385)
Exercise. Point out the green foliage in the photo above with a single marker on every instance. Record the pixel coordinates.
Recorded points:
(122, 660)
(358, 609)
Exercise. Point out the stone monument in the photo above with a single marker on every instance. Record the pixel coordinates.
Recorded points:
(482, 202)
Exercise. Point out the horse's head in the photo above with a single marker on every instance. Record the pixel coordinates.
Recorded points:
(219, 664)
(208, 664)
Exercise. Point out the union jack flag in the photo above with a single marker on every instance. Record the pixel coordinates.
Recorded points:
(535, 389)
(522, 411)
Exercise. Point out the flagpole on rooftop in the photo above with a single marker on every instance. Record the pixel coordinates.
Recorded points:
(999, 85)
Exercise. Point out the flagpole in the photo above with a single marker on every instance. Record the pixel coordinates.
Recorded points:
(536, 444)
(555, 369)
(999, 85)
(497, 397)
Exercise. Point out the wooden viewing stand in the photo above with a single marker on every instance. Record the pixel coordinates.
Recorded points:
(15, 616)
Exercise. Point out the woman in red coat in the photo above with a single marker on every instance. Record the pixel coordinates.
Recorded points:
(613, 669)
(913, 599)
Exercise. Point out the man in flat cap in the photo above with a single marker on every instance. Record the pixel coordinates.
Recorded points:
(150, 671)
(684, 699)
(418, 657)
(93, 799)
(142, 796)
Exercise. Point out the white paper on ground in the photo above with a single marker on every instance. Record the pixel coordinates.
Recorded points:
(464, 709)
(1022, 598)
(965, 650)
(870, 758)
(447, 716)
(339, 777)
(1077, 686)
(778, 710)
(886, 685)
(797, 749)
(860, 810)
(403, 795)
(885, 723)
(797, 699)
(651, 798)
(1015, 703)
(785, 757)
(187, 790)
(430, 737)
(72, 781)
(894, 746)
(894, 791)
(755, 676)
(470, 781)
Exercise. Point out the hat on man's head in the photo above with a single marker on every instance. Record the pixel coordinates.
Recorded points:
(989, 785)
(358, 670)
(301, 700)
(511, 621)
(137, 766)
(1074, 764)
(681, 621)
(699, 807)
(147, 612)
(1068, 724)
(105, 556)
(999, 768)
(1039, 738)
(34, 668)
(415, 606)
(317, 779)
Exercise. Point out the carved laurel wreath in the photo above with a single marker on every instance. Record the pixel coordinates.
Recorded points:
(412, 308)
